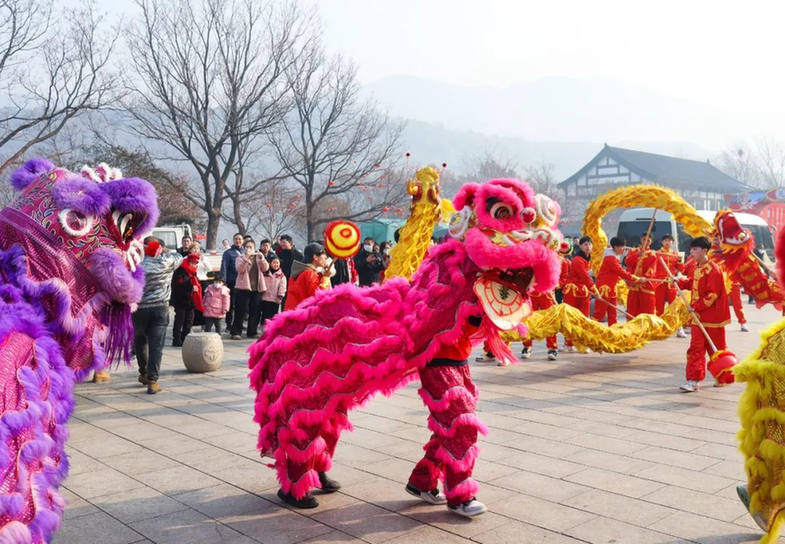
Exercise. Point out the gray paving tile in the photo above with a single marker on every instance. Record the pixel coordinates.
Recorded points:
(98, 528)
(590, 448)
(185, 526)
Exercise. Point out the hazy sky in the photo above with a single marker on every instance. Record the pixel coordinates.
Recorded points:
(728, 55)
(723, 54)
(717, 52)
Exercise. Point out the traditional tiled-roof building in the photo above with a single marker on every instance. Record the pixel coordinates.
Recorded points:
(700, 183)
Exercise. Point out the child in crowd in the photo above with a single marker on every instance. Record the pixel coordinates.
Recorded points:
(276, 289)
(216, 304)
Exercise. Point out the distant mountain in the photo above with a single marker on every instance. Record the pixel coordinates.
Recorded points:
(431, 143)
(559, 110)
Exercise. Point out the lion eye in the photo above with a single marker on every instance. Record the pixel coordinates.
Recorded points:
(501, 211)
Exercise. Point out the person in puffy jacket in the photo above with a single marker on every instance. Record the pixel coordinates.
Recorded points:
(248, 288)
(275, 281)
(216, 302)
(151, 317)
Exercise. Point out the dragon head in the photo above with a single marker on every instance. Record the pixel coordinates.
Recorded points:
(95, 219)
(731, 235)
(510, 234)
(425, 186)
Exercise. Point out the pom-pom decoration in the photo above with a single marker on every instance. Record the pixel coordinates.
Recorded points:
(342, 239)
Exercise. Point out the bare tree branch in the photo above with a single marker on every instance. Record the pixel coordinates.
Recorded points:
(209, 81)
(49, 82)
(334, 145)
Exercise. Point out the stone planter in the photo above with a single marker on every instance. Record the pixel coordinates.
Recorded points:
(203, 352)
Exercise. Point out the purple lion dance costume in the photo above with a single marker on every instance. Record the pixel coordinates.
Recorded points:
(69, 248)
(335, 351)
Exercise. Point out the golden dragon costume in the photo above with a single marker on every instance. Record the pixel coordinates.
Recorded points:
(427, 208)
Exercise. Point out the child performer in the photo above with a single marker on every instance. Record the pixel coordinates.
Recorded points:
(579, 284)
(609, 275)
(643, 263)
(710, 302)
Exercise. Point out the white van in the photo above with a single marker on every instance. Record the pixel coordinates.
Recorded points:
(634, 223)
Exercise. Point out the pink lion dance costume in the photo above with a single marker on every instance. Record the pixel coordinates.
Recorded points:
(341, 347)
(69, 246)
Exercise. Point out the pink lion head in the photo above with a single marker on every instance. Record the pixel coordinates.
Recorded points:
(510, 233)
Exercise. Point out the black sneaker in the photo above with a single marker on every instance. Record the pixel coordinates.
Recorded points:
(526, 353)
(469, 509)
(553, 354)
(433, 497)
(309, 501)
(328, 484)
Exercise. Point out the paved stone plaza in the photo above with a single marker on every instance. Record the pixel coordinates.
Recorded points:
(592, 448)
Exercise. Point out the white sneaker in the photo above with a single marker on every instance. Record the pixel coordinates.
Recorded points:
(485, 359)
(553, 354)
(680, 333)
(526, 353)
(432, 497)
(690, 387)
(470, 508)
(744, 328)
(568, 349)
(588, 350)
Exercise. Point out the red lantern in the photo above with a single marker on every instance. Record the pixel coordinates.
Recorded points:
(331, 183)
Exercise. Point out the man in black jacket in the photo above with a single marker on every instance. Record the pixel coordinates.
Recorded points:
(288, 254)
(369, 263)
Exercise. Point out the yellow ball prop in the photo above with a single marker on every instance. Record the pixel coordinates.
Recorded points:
(342, 239)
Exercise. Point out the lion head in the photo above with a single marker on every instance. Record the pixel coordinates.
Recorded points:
(510, 234)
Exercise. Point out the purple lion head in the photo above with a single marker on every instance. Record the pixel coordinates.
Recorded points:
(97, 218)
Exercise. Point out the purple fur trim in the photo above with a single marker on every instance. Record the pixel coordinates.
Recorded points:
(81, 195)
(137, 196)
(116, 318)
(28, 172)
(114, 278)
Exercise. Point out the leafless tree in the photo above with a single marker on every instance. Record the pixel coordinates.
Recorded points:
(334, 144)
(771, 162)
(740, 162)
(208, 82)
(274, 211)
(542, 178)
(54, 66)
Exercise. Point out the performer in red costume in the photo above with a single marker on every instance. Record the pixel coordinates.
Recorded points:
(543, 301)
(710, 302)
(734, 293)
(643, 263)
(579, 284)
(666, 291)
(609, 275)
(451, 452)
